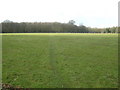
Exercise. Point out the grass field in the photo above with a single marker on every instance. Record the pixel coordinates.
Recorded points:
(60, 60)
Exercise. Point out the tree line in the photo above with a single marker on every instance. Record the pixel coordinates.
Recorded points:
(53, 27)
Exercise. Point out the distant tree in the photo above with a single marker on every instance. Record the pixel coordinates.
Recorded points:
(71, 22)
(107, 30)
(83, 29)
(112, 30)
(7, 21)
(55, 27)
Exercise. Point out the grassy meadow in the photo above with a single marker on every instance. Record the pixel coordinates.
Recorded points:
(60, 60)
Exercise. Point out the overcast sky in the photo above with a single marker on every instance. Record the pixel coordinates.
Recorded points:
(93, 13)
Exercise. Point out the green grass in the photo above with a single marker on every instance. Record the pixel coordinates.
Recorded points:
(60, 60)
